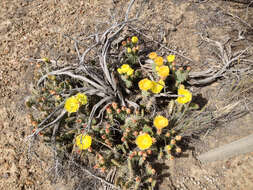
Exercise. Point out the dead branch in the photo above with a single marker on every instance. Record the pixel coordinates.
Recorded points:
(106, 87)
(95, 107)
(163, 46)
(227, 58)
(93, 175)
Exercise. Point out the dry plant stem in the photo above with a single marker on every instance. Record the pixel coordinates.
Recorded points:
(105, 68)
(56, 127)
(208, 72)
(92, 83)
(71, 91)
(53, 141)
(238, 18)
(48, 125)
(227, 60)
(163, 46)
(247, 10)
(77, 42)
(87, 51)
(114, 151)
(95, 107)
(94, 176)
(147, 69)
(167, 95)
(110, 177)
(87, 91)
(109, 77)
(77, 51)
(50, 115)
(52, 123)
(52, 73)
(92, 75)
(133, 104)
(108, 41)
(54, 62)
(101, 112)
(68, 73)
(99, 87)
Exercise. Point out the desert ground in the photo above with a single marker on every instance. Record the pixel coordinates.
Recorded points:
(38, 28)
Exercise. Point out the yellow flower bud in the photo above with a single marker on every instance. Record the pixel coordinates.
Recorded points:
(170, 58)
(152, 55)
(134, 39)
(81, 98)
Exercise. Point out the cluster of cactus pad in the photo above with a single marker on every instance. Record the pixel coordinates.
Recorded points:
(131, 139)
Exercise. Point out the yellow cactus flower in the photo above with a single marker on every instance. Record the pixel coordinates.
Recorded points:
(185, 97)
(135, 40)
(129, 50)
(160, 122)
(71, 104)
(125, 68)
(83, 141)
(163, 71)
(170, 58)
(144, 141)
(81, 98)
(157, 86)
(152, 55)
(130, 72)
(120, 71)
(145, 84)
(158, 61)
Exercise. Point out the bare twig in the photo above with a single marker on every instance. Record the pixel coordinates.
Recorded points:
(167, 95)
(92, 75)
(247, 10)
(238, 18)
(227, 59)
(133, 104)
(208, 72)
(163, 46)
(50, 115)
(95, 107)
(87, 51)
(102, 110)
(68, 73)
(94, 176)
(52, 73)
(50, 124)
(113, 150)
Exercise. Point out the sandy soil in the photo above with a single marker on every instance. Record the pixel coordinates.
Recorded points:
(35, 29)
